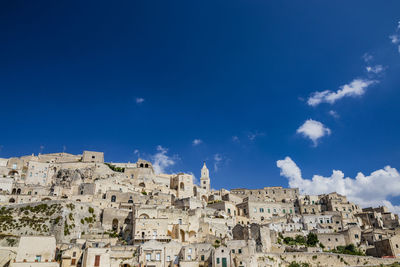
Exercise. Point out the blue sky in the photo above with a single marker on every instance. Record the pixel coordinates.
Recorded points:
(128, 77)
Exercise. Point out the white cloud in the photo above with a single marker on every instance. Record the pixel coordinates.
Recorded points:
(375, 69)
(197, 142)
(139, 100)
(217, 161)
(161, 161)
(355, 88)
(365, 190)
(333, 114)
(314, 130)
(395, 38)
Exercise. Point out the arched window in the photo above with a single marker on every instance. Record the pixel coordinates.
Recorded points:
(182, 186)
(115, 224)
(11, 200)
(141, 165)
(18, 191)
(113, 198)
(14, 191)
(146, 165)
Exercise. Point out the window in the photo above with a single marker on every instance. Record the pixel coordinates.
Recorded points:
(217, 260)
(233, 251)
(240, 251)
(148, 257)
(158, 256)
(202, 257)
(97, 261)
(74, 254)
(269, 210)
(73, 261)
(291, 211)
(38, 258)
(356, 236)
(189, 257)
(168, 258)
(397, 246)
(284, 211)
(93, 157)
(180, 221)
(261, 209)
(113, 198)
(229, 211)
(255, 210)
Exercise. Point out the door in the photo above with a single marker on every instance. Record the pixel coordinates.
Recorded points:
(223, 262)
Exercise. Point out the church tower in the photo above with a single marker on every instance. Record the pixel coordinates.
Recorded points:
(205, 178)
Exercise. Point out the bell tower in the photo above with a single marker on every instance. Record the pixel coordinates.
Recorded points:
(205, 178)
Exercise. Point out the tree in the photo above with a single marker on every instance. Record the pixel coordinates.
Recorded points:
(300, 239)
(312, 239)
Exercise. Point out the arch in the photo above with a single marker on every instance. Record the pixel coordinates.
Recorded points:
(13, 172)
(18, 191)
(14, 191)
(115, 224)
(78, 200)
(204, 198)
(130, 201)
(142, 185)
(182, 234)
(182, 186)
(12, 200)
(141, 165)
(46, 199)
(113, 198)
(144, 216)
(146, 165)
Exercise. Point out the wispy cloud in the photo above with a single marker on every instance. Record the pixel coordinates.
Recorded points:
(253, 135)
(334, 114)
(367, 57)
(217, 161)
(313, 130)
(139, 100)
(375, 69)
(366, 190)
(355, 88)
(235, 139)
(197, 142)
(395, 38)
(161, 161)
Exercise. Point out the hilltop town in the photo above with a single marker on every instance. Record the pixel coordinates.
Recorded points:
(71, 210)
